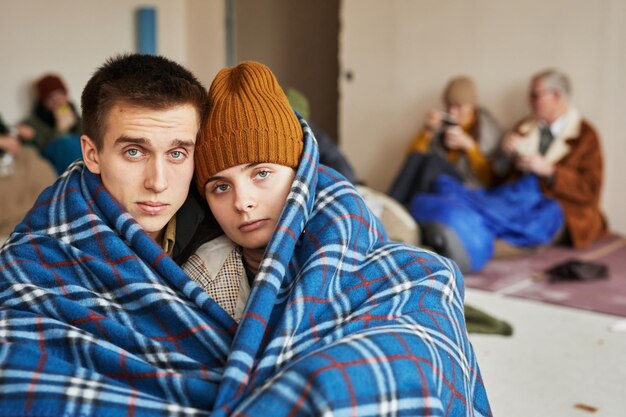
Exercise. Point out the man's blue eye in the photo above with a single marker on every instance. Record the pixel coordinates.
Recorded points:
(177, 154)
(133, 152)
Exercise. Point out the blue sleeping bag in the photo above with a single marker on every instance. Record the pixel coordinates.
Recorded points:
(517, 212)
(62, 151)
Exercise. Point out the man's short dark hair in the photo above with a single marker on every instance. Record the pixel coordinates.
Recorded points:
(146, 81)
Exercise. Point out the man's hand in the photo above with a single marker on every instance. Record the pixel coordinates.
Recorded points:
(456, 138)
(535, 163)
(511, 142)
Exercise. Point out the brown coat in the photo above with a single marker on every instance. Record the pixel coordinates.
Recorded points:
(577, 158)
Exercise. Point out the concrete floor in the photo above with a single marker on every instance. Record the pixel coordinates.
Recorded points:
(557, 358)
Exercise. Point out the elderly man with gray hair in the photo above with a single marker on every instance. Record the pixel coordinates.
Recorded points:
(563, 149)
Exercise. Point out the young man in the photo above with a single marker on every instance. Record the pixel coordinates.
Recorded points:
(333, 318)
(139, 137)
(86, 271)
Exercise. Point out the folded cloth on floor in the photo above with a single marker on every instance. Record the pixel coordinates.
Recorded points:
(97, 320)
(577, 270)
(480, 322)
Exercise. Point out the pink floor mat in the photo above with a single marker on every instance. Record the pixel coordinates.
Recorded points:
(521, 276)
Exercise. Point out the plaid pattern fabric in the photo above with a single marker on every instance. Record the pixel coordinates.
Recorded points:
(97, 321)
(223, 287)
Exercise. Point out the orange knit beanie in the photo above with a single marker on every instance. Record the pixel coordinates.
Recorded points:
(249, 120)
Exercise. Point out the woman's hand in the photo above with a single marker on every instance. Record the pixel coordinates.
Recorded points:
(456, 138)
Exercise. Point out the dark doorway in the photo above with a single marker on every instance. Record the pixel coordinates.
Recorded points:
(298, 40)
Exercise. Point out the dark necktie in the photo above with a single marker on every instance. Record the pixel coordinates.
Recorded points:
(545, 139)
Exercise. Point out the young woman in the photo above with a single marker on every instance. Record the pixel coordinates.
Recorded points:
(330, 316)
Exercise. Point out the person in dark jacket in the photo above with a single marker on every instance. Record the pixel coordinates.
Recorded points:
(330, 154)
(56, 123)
(458, 141)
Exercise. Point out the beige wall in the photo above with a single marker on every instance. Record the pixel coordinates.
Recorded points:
(206, 38)
(73, 37)
(402, 52)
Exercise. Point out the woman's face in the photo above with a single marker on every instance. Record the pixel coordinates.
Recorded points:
(462, 113)
(247, 201)
(56, 100)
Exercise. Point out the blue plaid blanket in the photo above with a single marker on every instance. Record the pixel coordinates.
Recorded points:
(96, 320)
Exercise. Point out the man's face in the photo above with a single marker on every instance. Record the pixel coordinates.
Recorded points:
(247, 201)
(146, 161)
(543, 101)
